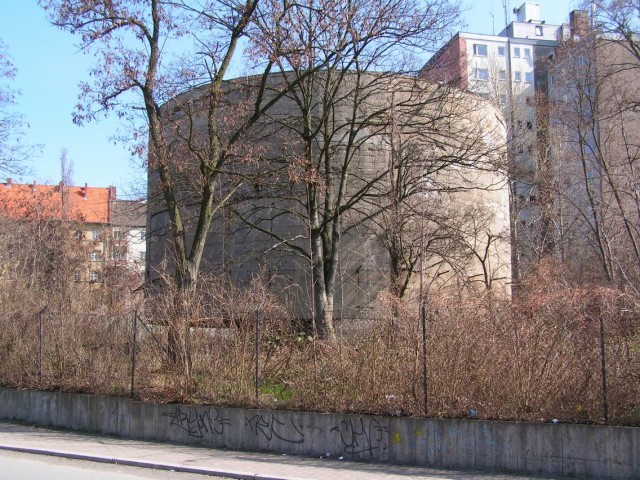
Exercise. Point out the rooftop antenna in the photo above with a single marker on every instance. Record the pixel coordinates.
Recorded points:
(493, 20)
(505, 5)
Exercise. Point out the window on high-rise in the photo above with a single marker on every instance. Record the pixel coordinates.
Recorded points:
(539, 30)
(527, 53)
(517, 76)
(528, 77)
(501, 51)
(482, 74)
(516, 52)
(502, 75)
(480, 49)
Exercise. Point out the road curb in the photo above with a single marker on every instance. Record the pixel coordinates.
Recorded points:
(142, 464)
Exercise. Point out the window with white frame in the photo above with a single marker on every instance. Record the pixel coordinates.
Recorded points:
(482, 74)
(119, 235)
(480, 49)
(119, 253)
(528, 77)
(501, 51)
(77, 276)
(516, 52)
(502, 75)
(539, 30)
(527, 53)
(94, 276)
(95, 235)
(94, 256)
(517, 76)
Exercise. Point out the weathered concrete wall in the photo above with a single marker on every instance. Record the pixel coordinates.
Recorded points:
(563, 449)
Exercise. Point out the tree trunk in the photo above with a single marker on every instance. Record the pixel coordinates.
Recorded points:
(178, 334)
(324, 312)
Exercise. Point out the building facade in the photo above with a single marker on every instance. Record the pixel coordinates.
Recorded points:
(445, 143)
(109, 232)
(512, 70)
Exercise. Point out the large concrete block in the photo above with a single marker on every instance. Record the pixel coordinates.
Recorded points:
(81, 413)
(402, 440)
(298, 433)
(485, 444)
(136, 427)
(147, 417)
(124, 418)
(424, 434)
(46, 408)
(622, 452)
(235, 429)
(506, 445)
(251, 431)
(539, 448)
(454, 443)
(13, 405)
(66, 405)
(4, 404)
(177, 424)
(220, 426)
(28, 413)
(104, 414)
(636, 452)
(586, 451)
(319, 437)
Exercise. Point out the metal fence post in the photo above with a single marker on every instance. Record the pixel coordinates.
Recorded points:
(425, 377)
(257, 353)
(40, 342)
(133, 351)
(603, 370)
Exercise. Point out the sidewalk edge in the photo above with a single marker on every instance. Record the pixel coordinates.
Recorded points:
(142, 464)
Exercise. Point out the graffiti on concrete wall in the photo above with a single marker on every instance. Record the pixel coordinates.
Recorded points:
(270, 427)
(359, 436)
(198, 422)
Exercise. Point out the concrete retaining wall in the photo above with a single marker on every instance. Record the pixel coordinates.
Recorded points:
(577, 450)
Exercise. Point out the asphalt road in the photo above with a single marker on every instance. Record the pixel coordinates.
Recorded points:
(25, 466)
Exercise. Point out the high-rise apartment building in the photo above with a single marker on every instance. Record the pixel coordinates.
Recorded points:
(511, 69)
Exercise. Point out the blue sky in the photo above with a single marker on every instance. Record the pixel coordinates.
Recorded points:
(50, 68)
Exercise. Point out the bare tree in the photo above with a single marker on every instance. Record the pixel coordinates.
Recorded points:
(66, 167)
(335, 165)
(433, 214)
(138, 70)
(13, 150)
(595, 119)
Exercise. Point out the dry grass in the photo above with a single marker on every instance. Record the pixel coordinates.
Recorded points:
(535, 358)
